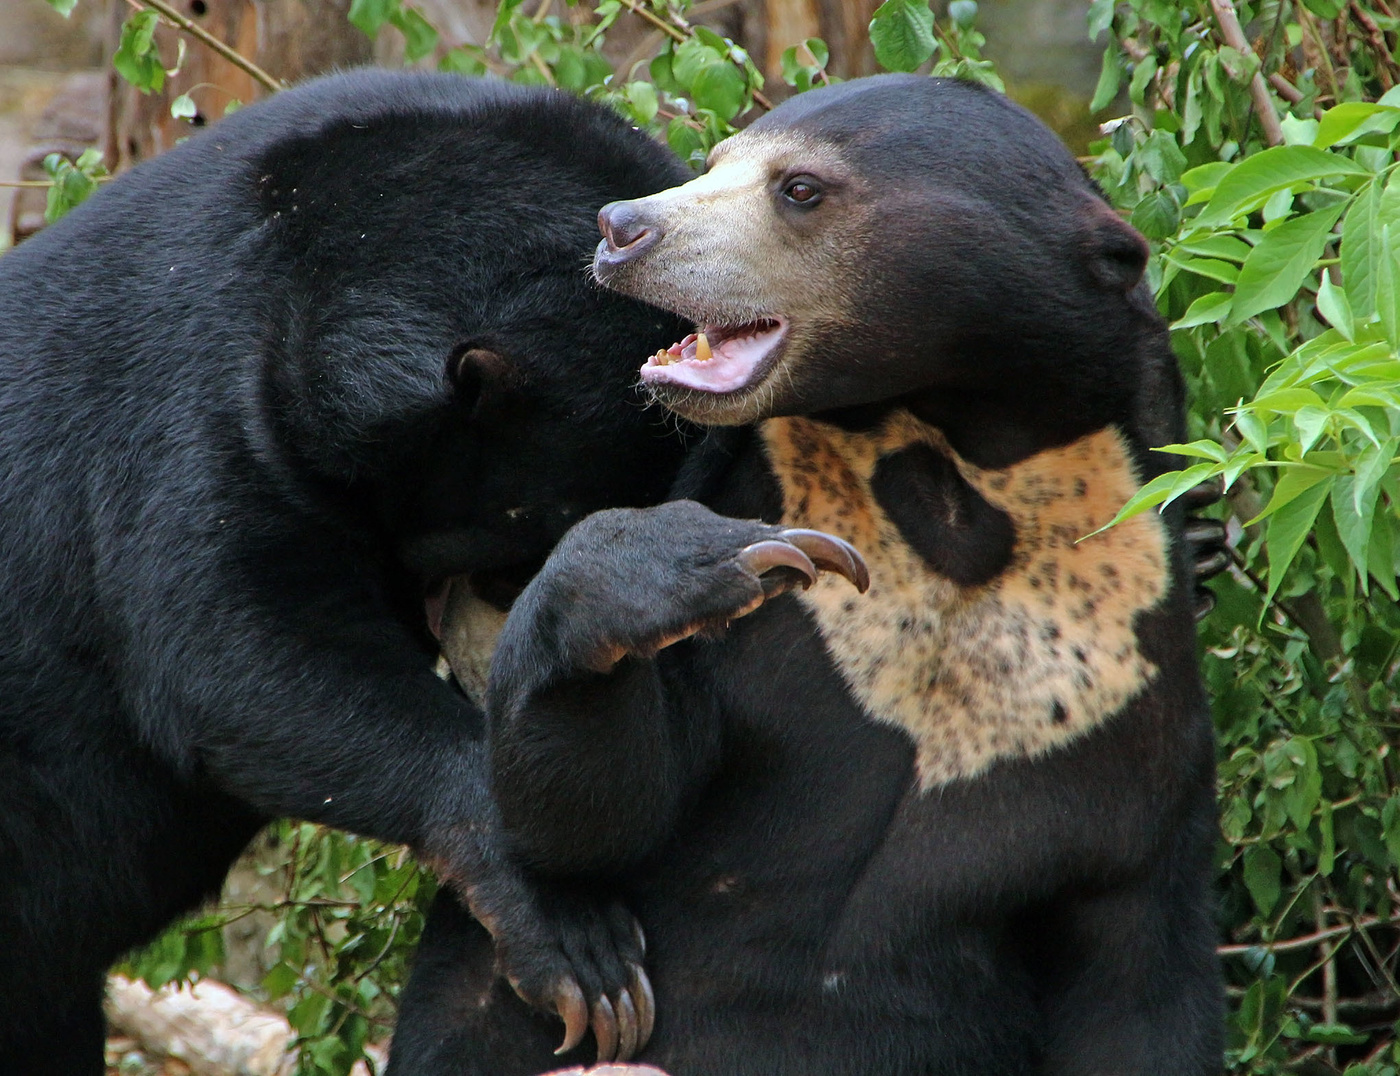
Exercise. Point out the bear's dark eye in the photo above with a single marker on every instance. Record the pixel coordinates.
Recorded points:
(803, 191)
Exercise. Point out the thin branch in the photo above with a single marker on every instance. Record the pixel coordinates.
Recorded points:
(1385, 66)
(1285, 89)
(1230, 29)
(204, 37)
(1307, 941)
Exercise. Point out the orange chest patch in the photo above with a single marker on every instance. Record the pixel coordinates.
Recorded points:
(1042, 653)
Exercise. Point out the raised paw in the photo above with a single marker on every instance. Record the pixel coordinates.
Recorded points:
(636, 581)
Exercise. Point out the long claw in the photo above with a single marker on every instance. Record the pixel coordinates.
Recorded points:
(640, 989)
(640, 935)
(1201, 531)
(573, 1010)
(626, 1027)
(832, 554)
(1205, 603)
(1212, 564)
(605, 1029)
(1204, 493)
(769, 554)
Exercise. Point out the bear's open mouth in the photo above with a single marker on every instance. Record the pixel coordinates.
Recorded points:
(719, 358)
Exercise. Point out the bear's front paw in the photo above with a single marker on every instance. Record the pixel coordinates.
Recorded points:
(580, 958)
(632, 582)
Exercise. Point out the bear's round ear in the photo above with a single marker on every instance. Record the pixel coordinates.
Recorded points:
(477, 375)
(1117, 253)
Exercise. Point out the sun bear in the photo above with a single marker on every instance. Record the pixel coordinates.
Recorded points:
(259, 400)
(961, 823)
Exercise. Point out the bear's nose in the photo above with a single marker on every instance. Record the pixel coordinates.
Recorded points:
(626, 231)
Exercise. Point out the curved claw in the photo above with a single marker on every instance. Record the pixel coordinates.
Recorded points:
(832, 554)
(640, 935)
(573, 1010)
(769, 554)
(1211, 564)
(1204, 530)
(1204, 493)
(1205, 603)
(627, 1030)
(639, 987)
(605, 1029)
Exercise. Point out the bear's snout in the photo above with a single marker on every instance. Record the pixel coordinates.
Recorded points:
(627, 233)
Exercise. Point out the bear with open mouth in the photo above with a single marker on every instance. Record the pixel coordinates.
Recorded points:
(961, 823)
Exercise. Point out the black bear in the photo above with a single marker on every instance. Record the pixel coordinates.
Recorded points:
(258, 399)
(961, 824)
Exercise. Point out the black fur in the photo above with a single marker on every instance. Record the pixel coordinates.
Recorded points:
(255, 398)
(809, 909)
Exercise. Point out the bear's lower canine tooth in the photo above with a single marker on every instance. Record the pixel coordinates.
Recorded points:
(662, 358)
(702, 348)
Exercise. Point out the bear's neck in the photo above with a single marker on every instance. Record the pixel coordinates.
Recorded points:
(993, 627)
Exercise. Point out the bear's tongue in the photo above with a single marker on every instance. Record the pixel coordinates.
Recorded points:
(737, 354)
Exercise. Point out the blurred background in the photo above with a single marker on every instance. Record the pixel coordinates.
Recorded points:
(59, 91)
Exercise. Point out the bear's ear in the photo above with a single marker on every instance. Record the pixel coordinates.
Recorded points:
(1117, 254)
(478, 375)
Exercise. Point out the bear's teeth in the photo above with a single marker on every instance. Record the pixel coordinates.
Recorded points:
(702, 348)
(663, 357)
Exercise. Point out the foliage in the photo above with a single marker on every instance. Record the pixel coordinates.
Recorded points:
(348, 911)
(1277, 266)
(1257, 153)
(72, 181)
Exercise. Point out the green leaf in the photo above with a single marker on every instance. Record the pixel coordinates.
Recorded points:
(1311, 423)
(1261, 876)
(1359, 250)
(1353, 509)
(137, 59)
(183, 107)
(1277, 266)
(1160, 490)
(1100, 17)
(420, 38)
(1335, 1034)
(63, 7)
(1157, 214)
(1202, 450)
(1161, 158)
(1210, 268)
(1253, 430)
(1209, 309)
(369, 16)
(641, 96)
(1202, 180)
(1387, 284)
(464, 60)
(901, 32)
(1352, 119)
(1332, 304)
(1380, 556)
(1218, 247)
(1142, 75)
(721, 88)
(1327, 849)
(1249, 183)
(1289, 524)
(686, 142)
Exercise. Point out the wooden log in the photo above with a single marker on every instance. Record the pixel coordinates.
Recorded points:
(211, 1028)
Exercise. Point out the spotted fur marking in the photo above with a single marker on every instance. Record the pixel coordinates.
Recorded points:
(1039, 655)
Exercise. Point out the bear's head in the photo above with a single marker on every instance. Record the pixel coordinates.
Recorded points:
(896, 238)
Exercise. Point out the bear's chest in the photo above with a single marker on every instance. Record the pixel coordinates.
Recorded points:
(977, 661)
